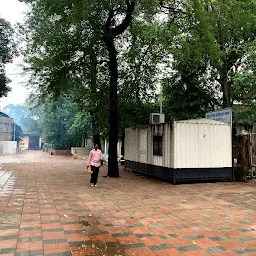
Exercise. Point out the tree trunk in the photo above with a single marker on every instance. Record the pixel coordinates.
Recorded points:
(226, 91)
(242, 146)
(225, 83)
(109, 39)
(113, 107)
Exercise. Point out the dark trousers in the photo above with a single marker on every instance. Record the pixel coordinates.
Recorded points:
(94, 175)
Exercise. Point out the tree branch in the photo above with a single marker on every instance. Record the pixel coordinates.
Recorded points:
(110, 19)
(161, 2)
(172, 9)
(107, 28)
(127, 20)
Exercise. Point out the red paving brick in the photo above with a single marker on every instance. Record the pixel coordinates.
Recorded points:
(227, 253)
(206, 243)
(29, 246)
(53, 235)
(78, 237)
(5, 244)
(54, 210)
(61, 247)
(30, 233)
(143, 251)
(128, 240)
(8, 232)
(168, 252)
(196, 253)
(154, 240)
(51, 226)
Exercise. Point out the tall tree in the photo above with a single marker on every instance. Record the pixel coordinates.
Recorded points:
(231, 25)
(210, 52)
(109, 35)
(189, 90)
(97, 29)
(7, 51)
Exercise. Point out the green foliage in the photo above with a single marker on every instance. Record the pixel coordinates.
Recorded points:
(209, 57)
(81, 127)
(244, 114)
(135, 113)
(244, 90)
(55, 121)
(63, 125)
(139, 63)
(186, 97)
(190, 91)
(7, 51)
(233, 25)
(67, 56)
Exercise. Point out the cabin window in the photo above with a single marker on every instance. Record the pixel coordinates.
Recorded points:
(158, 145)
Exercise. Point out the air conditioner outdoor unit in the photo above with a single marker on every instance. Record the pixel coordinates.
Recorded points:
(156, 118)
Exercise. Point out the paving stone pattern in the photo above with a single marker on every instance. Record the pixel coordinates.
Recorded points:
(48, 208)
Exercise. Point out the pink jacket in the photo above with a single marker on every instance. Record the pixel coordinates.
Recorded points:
(94, 158)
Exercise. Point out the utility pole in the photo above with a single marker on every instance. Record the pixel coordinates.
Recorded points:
(161, 98)
(14, 135)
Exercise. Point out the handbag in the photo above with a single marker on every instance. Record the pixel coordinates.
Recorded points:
(89, 169)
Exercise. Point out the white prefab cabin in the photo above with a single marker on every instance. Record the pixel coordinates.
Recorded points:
(182, 150)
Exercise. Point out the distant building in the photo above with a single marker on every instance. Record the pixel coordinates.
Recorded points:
(9, 130)
(6, 127)
(8, 141)
(30, 141)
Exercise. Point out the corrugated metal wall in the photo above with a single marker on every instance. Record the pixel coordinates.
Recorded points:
(139, 144)
(143, 142)
(164, 130)
(202, 143)
(132, 144)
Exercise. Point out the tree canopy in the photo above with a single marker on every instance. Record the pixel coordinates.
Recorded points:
(211, 64)
(83, 51)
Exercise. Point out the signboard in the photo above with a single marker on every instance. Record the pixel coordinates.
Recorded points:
(222, 115)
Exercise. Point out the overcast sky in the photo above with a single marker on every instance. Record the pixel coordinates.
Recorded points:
(14, 11)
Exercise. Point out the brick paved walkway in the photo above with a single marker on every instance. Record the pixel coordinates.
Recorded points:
(48, 208)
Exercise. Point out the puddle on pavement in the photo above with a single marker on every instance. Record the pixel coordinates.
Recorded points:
(101, 249)
(97, 248)
(85, 223)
